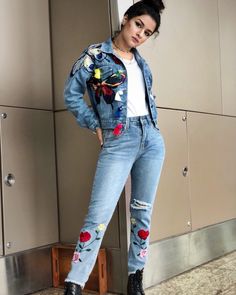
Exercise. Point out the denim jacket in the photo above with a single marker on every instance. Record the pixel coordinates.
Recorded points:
(104, 76)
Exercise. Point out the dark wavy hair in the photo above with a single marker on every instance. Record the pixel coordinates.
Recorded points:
(152, 8)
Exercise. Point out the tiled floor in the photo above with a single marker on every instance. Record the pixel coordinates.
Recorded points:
(214, 278)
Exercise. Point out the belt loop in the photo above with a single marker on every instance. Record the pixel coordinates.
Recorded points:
(141, 121)
(127, 123)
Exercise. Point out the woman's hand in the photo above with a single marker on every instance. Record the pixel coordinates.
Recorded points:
(99, 135)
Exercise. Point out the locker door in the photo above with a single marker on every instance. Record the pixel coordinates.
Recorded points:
(212, 145)
(171, 212)
(1, 245)
(25, 57)
(28, 179)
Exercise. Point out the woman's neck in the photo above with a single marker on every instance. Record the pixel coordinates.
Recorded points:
(121, 48)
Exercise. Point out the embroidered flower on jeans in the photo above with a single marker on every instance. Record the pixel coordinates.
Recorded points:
(140, 238)
(76, 256)
(143, 253)
(84, 237)
(143, 234)
(101, 227)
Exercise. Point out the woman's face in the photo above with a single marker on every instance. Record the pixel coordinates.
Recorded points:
(137, 30)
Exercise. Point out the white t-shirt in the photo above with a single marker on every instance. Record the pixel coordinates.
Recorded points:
(136, 102)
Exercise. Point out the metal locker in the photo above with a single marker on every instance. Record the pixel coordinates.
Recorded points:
(1, 241)
(28, 179)
(25, 56)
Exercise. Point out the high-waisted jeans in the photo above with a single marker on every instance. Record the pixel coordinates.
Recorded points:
(139, 150)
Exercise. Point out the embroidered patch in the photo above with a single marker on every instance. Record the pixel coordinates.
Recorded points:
(143, 253)
(97, 53)
(143, 234)
(104, 88)
(118, 94)
(116, 60)
(84, 61)
(85, 241)
(76, 256)
(140, 238)
(117, 129)
(118, 112)
(97, 74)
(84, 237)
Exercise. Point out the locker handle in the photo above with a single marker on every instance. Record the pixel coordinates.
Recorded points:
(10, 179)
(185, 171)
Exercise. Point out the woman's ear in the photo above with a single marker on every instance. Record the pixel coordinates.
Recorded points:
(125, 19)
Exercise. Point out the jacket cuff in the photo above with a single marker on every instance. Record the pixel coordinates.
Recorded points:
(94, 126)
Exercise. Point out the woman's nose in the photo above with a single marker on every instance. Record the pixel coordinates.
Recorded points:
(139, 35)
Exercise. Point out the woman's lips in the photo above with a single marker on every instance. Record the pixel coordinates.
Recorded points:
(135, 40)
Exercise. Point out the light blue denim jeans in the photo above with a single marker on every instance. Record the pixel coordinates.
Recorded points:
(139, 150)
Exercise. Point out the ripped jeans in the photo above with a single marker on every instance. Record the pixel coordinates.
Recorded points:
(139, 151)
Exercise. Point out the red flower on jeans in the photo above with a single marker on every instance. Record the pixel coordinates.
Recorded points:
(84, 237)
(143, 234)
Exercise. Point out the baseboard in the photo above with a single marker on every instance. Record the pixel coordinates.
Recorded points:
(173, 256)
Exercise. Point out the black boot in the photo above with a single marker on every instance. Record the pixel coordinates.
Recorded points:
(135, 283)
(72, 289)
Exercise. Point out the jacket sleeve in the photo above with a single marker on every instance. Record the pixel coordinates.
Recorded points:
(74, 91)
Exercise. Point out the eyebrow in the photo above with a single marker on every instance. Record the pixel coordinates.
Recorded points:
(144, 25)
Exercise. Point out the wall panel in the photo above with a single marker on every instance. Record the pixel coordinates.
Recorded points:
(25, 54)
(75, 25)
(212, 145)
(185, 57)
(227, 18)
(172, 209)
(30, 204)
(77, 152)
(1, 232)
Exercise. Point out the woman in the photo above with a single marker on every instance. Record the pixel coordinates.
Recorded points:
(124, 117)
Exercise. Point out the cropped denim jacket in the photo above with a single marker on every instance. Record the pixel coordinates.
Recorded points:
(99, 71)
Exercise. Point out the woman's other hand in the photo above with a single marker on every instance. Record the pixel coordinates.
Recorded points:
(99, 135)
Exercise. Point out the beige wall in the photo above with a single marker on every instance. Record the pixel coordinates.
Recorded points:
(171, 213)
(227, 20)
(25, 57)
(74, 27)
(185, 58)
(29, 206)
(193, 64)
(212, 167)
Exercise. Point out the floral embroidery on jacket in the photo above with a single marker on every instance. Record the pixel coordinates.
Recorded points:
(116, 60)
(84, 61)
(85, 240)
(104, 88)
(140, 238)
(117, 130)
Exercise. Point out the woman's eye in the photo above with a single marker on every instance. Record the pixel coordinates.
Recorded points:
(138, 24)
(147, 34)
